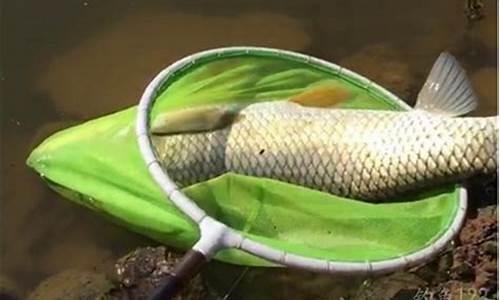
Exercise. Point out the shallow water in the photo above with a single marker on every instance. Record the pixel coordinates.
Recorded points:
(70, 61)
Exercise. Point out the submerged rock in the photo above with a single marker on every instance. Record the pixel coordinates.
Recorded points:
(398, 285)
(249, 283)
(74, 285)
(144, 270)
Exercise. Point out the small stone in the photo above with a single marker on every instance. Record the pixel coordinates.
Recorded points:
(445, 263)
(405, 294)
(463, 271)
(401, 285)
(143, 271)
(490, 247)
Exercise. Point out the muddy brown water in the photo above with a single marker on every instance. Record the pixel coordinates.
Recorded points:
(64, 62)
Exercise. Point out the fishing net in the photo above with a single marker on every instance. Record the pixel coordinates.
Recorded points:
(98, 164)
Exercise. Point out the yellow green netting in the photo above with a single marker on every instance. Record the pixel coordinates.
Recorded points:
(98, 164)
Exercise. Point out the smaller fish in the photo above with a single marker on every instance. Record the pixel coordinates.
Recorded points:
(307, 140)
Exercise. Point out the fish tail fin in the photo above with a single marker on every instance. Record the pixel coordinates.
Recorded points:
(447, 90)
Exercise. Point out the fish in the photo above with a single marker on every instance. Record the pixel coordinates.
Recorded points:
(308, 140)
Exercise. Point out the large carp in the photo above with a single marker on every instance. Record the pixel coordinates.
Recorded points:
(363, 154)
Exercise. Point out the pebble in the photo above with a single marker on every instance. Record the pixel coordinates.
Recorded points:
(491, 247)
(144, 270)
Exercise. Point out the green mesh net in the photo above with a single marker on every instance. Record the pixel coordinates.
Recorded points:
(98, 164)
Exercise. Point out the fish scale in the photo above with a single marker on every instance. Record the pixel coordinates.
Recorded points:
(360, 154)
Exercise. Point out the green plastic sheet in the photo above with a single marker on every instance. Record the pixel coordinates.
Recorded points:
(98, 164)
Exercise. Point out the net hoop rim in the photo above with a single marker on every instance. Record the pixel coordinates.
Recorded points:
(216, 235)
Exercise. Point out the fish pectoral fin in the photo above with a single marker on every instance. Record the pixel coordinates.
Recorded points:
(325, 95)
(447, 90)
(196, 119)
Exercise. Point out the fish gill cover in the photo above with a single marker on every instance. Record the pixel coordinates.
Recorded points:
(97, 164)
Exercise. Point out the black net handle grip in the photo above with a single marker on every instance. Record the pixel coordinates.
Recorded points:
(187, 268)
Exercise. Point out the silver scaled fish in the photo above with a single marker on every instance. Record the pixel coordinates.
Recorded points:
(360, 154)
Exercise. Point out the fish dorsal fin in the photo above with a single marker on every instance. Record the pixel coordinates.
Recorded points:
(447, 90)
(324, 95)
(196, 119)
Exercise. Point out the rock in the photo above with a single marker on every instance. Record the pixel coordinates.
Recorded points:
(490, 247)
(486, 276)
(481, 228)
(475, 260)
(429, 271)
(401, 285)
(143, 271)
(238, 282)
(463, 271)
(468, 270)
(73, 285)
(445, 262)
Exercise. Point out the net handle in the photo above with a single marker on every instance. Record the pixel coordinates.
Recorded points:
(214, 234)
(184, 271)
